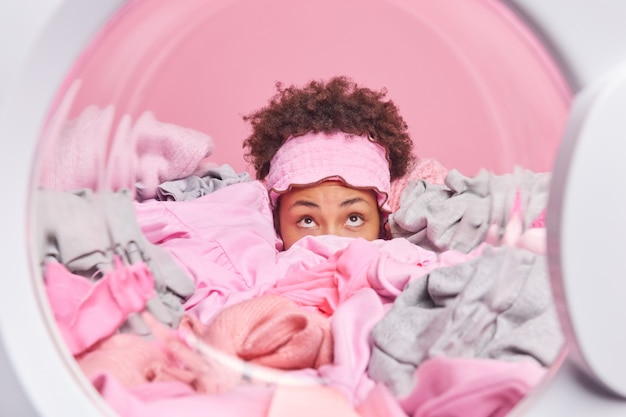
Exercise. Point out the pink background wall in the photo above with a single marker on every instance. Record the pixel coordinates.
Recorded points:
(474, 85)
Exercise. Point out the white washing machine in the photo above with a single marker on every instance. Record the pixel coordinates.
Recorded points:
(42, 39)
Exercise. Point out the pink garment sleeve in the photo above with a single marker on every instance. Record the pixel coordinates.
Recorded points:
(77, 303)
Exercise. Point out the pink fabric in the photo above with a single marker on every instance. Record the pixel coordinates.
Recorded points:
(380, 403)
(77, 156)
(352, 324)
(75, 149)
(269, 330)
(204, 236)
(77, 303)
(134, 375)
(329, 283)
(533, 239)
(445, 387)
(314, 157)
(135, 361)
(166, 151)
(540, 221)
(352, 281)
(324, 272)
(309, 402)
(468, 387)
(428, 169)
(167, 399)
(272, 331)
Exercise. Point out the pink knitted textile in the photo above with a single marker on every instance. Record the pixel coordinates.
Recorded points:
(427, 169)
(274, 331)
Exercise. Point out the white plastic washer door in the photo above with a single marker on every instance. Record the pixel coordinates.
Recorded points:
(587, 226)
(40, 40)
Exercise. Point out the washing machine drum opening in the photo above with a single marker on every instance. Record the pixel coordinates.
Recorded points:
(148, 126)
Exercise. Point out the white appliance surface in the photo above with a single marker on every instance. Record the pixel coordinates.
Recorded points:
(41, 38)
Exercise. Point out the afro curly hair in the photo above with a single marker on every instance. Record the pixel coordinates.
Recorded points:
(336, 105)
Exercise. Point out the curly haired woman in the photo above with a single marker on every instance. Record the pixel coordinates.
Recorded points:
(327, 153)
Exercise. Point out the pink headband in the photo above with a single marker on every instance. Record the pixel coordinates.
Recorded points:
(357, 161)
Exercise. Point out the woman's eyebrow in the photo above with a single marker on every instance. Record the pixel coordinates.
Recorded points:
(352, 201)
(305, 203)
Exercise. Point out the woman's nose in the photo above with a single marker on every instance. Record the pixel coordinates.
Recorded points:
(331, 229)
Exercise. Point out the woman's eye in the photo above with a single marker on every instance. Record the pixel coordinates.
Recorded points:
(306, 222)
(354, 220)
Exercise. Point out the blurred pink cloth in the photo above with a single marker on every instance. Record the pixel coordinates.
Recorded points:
(134, 361)
(91, 152)
(165, 152)
(310, 402)
(380, 403)
(533, 239)
(172, 398)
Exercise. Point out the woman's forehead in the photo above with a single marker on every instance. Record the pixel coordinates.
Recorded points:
(330, 191)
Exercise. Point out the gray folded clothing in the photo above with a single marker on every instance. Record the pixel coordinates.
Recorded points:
(497, 306)
(458, 214)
